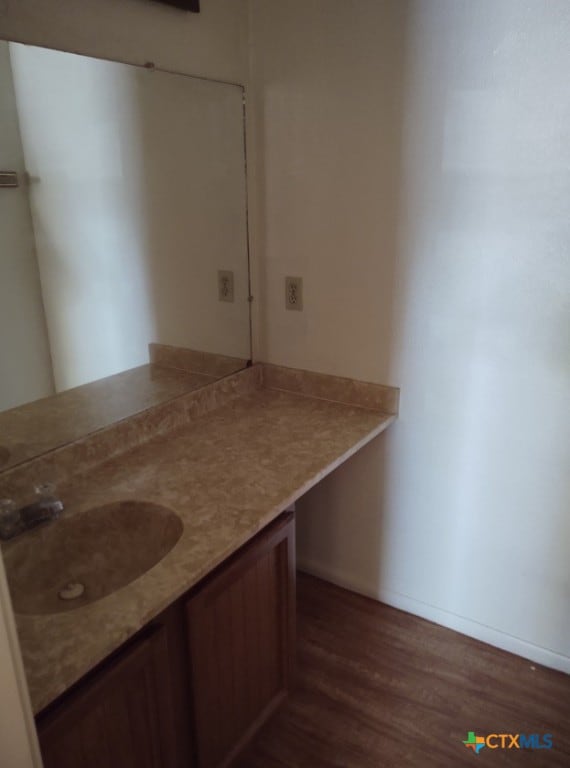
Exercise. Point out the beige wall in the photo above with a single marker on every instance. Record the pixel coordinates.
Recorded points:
(459, 512)
(212, 44)
(327, 82)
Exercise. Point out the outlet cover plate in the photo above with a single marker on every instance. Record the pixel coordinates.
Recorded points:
(225, 285)
(294, 293)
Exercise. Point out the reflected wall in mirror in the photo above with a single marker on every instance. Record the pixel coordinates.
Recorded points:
(131, 200)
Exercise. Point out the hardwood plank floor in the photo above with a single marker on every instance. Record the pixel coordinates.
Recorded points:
(378, 688)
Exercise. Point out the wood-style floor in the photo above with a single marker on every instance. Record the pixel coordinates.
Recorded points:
(378, 688)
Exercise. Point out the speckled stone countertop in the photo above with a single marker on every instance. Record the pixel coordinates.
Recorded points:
(227, 474)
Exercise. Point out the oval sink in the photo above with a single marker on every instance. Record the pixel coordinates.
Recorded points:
(4, 455)
(77, 560)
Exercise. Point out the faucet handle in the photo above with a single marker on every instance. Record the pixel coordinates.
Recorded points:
(47, 500)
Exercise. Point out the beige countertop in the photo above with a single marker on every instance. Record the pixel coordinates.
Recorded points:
(227, 474)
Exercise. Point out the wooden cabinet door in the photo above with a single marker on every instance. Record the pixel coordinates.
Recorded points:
(241, 643)
(120, 718)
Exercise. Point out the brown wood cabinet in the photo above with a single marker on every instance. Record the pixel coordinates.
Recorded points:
(241, 644)
(193, 687)
(122, 717)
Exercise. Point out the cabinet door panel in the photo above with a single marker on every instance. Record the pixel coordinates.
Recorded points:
(241, 635)
(121, 718)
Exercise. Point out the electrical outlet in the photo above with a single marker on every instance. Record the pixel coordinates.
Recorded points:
(294, 293)
(225, 285)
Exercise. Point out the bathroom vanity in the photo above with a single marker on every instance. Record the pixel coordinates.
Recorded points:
(181, 663)
(199, 679)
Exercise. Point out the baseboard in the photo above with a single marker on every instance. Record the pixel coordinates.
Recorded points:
(446, 619)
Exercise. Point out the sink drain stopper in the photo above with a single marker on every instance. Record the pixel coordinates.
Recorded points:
(72, 591)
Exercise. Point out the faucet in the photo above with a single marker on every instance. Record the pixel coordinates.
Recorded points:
(14, 521)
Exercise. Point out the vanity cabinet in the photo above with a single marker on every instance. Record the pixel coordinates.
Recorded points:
(241, 637)
(121, 717)
(192, 688)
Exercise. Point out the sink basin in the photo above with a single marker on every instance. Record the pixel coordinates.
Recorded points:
(76, 560)
(4, 455)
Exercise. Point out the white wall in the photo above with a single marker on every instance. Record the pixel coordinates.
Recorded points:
(25, 359)
(460, 511)
(138, 199)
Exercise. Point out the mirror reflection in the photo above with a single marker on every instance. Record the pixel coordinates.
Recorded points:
(123, 245)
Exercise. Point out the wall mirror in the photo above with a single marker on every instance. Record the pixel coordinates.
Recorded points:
(123, 242)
